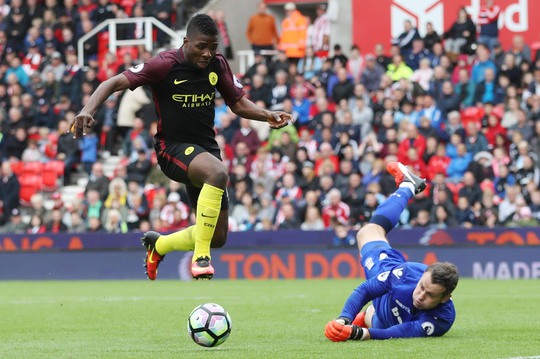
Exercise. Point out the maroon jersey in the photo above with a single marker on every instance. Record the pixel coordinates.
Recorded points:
(184, 95)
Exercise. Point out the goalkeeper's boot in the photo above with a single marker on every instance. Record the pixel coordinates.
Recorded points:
(402, 174)
(360, 320)
(153, 258)
(202, 269)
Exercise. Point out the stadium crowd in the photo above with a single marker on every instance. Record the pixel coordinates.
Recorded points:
(457, 108)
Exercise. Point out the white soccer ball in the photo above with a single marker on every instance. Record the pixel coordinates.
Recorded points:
(209, 325)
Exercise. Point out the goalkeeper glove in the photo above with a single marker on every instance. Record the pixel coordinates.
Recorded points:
(340, 330)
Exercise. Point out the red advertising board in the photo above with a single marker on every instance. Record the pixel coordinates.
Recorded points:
(378, 21)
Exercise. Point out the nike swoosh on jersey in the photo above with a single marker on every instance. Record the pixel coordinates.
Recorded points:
(204, 215)
(178, 82)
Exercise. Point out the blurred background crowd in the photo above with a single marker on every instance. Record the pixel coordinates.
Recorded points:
(458, 108)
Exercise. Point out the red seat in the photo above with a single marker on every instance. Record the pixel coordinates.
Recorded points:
(25, 195)
(54, 166)
(31, 168)
(31, 180)
(49, 181)
(30, 185)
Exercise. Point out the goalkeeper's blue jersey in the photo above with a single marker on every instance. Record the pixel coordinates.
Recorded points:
(391, 292)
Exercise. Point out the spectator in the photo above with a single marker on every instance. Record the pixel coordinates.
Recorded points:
(9, 191)
(431, 37)
(405, 40)
(287, 218)
(471, 190)
(520, 50)
(225, 40)
(523, 126)
(335, 211)
(68, 150)
(313, 220)
(342, 236)
(114, 222)
(15, 223)
(55, 224)
(36, 225)
(293, 33)
(98, 181)
(381, 58)
(280, 90)
(89, 150)
(511, 70)
(418, 52)
(458, 165)
(320, 33)
(475, 140)
(261, 30)
(372, 74)
(310, 64)
(413, 139)
(460, 35)
(464, 214)
(139, 169)
(423, 74)
(488, 21)
(289, 189)
(355, 64)
(398, 70)
(15, 145)
(465, 89)
(248, 135)
(338, 59)
(449, 101)
(136, 136)
(483, 62)
(441, 219)
(488, 91)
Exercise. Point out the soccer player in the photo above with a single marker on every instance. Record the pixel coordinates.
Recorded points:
(408, 299)
(183, 82)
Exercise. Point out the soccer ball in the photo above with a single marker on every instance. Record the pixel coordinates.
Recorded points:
(209, 325)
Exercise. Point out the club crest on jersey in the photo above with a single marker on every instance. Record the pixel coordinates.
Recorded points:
(428, 327)
(189, 150)
(137, 68)
(213, 78)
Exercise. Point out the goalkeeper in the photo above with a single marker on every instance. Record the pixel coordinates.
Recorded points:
(408, 299)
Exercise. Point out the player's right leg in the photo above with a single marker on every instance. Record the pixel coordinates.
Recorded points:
(387, 214)
(209, 174)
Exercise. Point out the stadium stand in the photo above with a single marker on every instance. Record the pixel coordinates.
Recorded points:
(379, 95)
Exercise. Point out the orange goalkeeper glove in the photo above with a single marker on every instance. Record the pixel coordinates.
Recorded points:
(338, 331)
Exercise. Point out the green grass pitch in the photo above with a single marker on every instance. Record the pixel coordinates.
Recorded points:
(271, 319)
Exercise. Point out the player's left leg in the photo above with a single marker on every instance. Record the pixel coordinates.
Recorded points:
(206, 178)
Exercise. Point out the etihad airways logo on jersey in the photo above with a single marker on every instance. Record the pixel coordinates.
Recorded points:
(194, 100)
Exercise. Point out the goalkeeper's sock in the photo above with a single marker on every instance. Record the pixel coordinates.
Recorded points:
(388, 213)
(178, 241)
(208, 209)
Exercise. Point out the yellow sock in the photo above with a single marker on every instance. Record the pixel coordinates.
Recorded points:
(208, 209)
(178, 241)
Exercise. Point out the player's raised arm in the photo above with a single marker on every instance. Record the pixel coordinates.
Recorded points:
(247, 109)
(85, 120)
